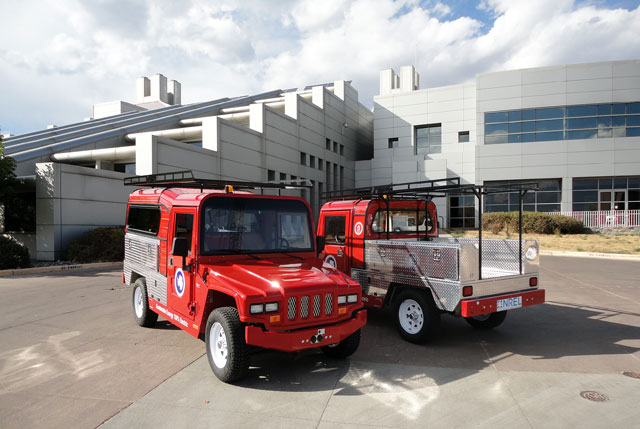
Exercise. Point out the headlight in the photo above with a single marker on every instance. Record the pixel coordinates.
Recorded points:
(342, 299)
(271, 307)
(352, 298)
(257, 308)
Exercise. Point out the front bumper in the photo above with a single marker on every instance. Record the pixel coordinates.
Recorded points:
(305, 338)
(480, 306)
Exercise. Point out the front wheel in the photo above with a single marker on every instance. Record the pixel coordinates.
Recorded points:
(227, 351)
(344, 348)
(487, 321)
(417, 318)
(143, 314)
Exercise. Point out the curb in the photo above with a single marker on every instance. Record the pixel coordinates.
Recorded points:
(617, 256)
(54, 268)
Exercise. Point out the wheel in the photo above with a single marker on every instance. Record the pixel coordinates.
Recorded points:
(227, 352)
(140, 300)
(417, 317)
(344, 348)
(487, 321)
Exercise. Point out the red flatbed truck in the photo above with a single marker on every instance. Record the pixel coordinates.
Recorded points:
(387, 238)
(237, 268)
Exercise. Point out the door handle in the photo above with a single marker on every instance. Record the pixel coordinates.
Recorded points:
(340, 252)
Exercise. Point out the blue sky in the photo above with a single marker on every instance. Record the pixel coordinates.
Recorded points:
(59, 58)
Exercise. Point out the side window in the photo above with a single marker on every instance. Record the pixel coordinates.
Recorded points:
(403, 220)
(144, 219)
(184, 226)
(334, 227)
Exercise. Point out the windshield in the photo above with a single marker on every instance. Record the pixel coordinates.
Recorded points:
(254, 225)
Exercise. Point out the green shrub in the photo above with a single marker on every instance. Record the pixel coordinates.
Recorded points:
(14, 254)
(532, 222)
(104, 244)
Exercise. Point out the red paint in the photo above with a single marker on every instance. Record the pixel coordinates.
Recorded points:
(473, 307)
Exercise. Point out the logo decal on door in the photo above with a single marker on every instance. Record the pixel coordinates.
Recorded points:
(357, 229)
(331, 260)
(179, 282)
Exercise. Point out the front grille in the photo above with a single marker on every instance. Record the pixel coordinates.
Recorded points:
(291, 309)
(304, 307)
(328, 304)
(316, 305)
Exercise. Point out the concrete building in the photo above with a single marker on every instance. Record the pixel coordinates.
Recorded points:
(573, 129)
(74, 173)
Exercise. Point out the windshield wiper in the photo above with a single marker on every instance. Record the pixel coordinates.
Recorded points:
(293, 256)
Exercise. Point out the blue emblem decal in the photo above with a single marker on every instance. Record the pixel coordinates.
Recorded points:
(179, 282)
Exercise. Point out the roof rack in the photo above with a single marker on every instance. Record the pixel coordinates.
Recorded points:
(425, 188)
(185, 179)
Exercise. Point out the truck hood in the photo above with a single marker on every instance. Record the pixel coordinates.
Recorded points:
(278, 278)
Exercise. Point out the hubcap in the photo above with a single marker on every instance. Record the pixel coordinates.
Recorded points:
(137, 302)
(218, 345)
(411, 316)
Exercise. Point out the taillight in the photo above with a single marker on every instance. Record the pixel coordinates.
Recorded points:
(467, 291)
(533, 281)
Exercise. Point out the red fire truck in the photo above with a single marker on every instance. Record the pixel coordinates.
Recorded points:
(387, 238)
(235, 267)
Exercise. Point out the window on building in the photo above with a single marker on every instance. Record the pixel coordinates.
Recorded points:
(328, 144)
(462, 211)
(312, 161)
(592, 121)
(606, 193)
(341, 177)
(328, 176)
(335, 147)
(547, 199)
(393, 142)
(271, 176)
(125, 168)
(320, 164)
(341, 150)
(303, 158)
(463, 137)
(428, 139)
(336, 173)
(283, 177)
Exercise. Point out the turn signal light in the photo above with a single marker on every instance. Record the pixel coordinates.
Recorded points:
(467, 291)
(274, 319)
(342, 310)
(533, 281)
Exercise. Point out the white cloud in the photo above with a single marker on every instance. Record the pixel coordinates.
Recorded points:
(60, 57)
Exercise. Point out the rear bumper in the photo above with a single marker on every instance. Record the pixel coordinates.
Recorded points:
(477, 307)
(305, 338)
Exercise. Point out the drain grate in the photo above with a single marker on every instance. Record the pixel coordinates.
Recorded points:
(631, 374)
(591, 395)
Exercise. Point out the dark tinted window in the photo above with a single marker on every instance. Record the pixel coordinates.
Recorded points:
(144, 219)
(334, 229)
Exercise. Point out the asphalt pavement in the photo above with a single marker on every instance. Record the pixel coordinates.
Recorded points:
(71, 355)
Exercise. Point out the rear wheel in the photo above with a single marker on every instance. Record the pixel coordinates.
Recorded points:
(344, 348)
(144, 315)
(417, 318)
(227, 351)
(487, 321)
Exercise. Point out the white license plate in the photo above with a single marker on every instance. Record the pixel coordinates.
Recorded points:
(509, 303)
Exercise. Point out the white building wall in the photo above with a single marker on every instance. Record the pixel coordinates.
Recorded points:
(607, 82)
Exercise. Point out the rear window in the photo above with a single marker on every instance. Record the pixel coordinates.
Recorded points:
(144, 219)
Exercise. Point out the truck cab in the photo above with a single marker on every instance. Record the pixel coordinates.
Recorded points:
(388, 240)
(237, 268)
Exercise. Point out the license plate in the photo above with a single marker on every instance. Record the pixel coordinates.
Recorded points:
(509, 303)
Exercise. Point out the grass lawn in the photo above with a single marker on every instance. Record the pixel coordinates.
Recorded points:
(601, 243)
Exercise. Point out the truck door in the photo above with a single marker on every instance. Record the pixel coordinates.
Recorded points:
(179, 277)
(334, 230)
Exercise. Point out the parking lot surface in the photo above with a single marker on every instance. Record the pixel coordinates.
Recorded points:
(72, 355)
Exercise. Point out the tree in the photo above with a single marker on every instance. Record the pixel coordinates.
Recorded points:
(7, 173)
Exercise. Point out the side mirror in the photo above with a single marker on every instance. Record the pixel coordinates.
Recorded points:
(320, 242)
(180, 247)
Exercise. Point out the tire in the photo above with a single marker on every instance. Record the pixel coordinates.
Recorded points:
(144, 316)
(344, 348)
(417, 318)
(487, 321)
(227, 351)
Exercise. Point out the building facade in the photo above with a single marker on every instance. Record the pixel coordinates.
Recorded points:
(572, 129)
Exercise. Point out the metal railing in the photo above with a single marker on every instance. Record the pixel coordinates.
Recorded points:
(606, 219)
